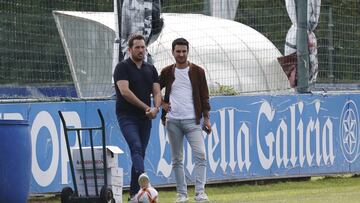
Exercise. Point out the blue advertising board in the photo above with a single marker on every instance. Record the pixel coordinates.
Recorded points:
(253, 137)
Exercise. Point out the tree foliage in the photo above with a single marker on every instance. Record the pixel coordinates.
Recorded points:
(31, 51)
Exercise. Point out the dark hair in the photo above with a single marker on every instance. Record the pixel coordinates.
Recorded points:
(134, 37)
(180, 41)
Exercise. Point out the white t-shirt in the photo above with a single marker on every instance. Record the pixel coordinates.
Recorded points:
(181, 97)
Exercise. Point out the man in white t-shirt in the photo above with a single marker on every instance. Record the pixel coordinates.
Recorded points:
(185, 104)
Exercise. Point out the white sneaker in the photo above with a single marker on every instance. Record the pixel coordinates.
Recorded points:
(181, 198)
(201, 197)
(132, 199)
(144, 181)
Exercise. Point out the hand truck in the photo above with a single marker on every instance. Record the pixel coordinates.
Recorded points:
(68, 195)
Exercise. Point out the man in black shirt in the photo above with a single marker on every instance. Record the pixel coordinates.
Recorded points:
(135, 80)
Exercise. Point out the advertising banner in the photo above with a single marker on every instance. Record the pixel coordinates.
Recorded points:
(253, 137)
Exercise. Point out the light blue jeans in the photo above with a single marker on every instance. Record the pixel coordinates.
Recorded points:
(177, 130)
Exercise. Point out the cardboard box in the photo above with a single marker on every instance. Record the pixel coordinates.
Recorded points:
(118, 198)
(117, 190)
(114, 177)
(110, 172)
(112, 153)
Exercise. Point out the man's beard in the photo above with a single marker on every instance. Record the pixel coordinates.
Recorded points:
(138, 58)
(181, 61)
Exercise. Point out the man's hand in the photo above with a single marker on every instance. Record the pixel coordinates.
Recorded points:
(166, 106)
(207, 125)
(151, 112)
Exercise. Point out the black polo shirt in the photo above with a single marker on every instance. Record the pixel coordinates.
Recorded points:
(140, 83)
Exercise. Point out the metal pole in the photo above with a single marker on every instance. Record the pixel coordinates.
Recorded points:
(331, 45)
(119, 12)
(117, 52)
(207, 7)
(302, 47)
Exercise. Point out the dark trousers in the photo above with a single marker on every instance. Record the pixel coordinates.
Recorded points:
(136, 132)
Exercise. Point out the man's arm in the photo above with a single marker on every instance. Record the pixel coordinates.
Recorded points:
(157, 95)
(204, 97)
(129, 96)
(162, 79)
(157, 101)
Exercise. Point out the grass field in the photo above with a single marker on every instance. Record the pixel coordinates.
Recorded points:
(329, 190)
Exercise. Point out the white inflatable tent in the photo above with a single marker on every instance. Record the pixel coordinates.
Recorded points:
(232, 54)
